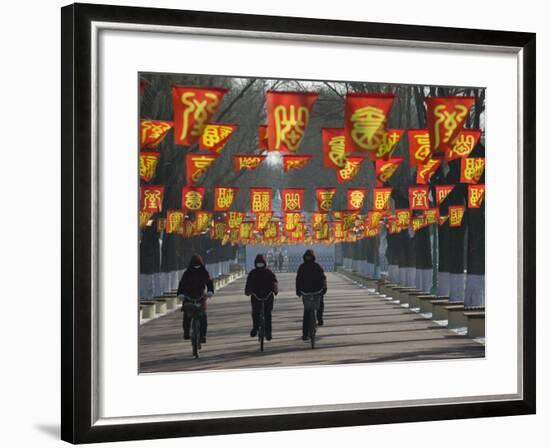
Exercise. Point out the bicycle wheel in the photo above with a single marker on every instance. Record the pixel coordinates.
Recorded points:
(195, 337)
(312, 327)
(261, 332)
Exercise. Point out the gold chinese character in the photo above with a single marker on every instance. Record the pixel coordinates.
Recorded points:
(381, 200)
(152, 200)
(463, 145)
(198, 110)
(356, 198)
(473, 168)
(325, 200)
(337, 151)
(290, 125)
(423, 150)
(292, 201)
(366, 123)
(350, 170)
(147, 166)
(225, 197)
(419, 199)
(449, 120)
(152, 129)
(193, 200)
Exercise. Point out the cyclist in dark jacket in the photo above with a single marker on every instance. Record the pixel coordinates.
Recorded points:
(260, 282)
(194, 281)
(311, 278)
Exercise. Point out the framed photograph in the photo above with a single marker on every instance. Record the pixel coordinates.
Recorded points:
(275, 223)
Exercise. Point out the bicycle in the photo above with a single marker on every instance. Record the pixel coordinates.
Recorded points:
(312, 302)
(261, 323)
(194, 309)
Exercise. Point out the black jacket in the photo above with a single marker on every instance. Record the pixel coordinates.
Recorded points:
(194, 281)
(310, 278)
(261, 281)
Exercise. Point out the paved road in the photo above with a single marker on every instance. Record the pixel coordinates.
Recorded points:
(359, 327)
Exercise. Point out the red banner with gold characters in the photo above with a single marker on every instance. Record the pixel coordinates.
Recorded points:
(446, 118)
(356, 198)
(476, 193)
(350, 170)
(192, 198)
(247, 161)
(224, 198)
(348, 218)
(174, 221)
(144, 218)
(262, 137)
(425, 171)
(151, 198)
(235, 219)
(148, 162)
(463, 144)
(299, 232)
(292, 162)
(293, 199)
(318, 219)
(334, 148)
(260, 200)
(338, 230)
(381, 199)
(431, 216)
(365, 117)
(288, 115)
(419, 146)
(392, 225)
(196, 165)
(418, 222)
(245, 230)
(441, 193)
(471, 169)
(443, 219)
(218, 230)
(389, 141)
(403, 217)
(271, 231)
(215, 136)
(418, 198)
(373, 218)
(323, 232)
(262, 220)
(202, 221)
(385, 169)
(324, 197)
(291, 220)
(456, 213)
(193, 109)
(189, 228)
(152, 132)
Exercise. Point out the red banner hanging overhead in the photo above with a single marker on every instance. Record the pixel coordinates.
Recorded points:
(419, 146)
(424, 171)
(446, 118)
(196, 165)
(271, 231)
(365, 118)
(441, 193)
(144, 219)
(174, 221)
(235, 219)
(350, 170)
(193, 109)
(323, 232)
(334, 148)
(291, 220)
(373, 218)
(318, 219)
(247, 161)
(219, 230)
(356, 198)
(385, 169)
(431, 216)
(292, 162)
(298, 233)
(456, 213)
(418, 222)
(418, 198)
(463, 144)
(471, 169)
(152, 132)
(203, 221)
(324, 197)
(192, 198)
(246, 230)
(443, 219)
(151, 198)
(476, 194)
(288, 115)
(215, 136)
(403, 217)
(260, 200)
(262, 220)
(348, 218)
(224, 198)
(293, 199)
(390, 139)
(262, 137)
(148, 162)
(381, 199)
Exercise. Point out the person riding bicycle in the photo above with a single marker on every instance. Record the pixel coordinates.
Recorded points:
(193, 283)
(261, 281)
(311, 278)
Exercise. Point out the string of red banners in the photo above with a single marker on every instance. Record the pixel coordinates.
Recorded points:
(288, 115)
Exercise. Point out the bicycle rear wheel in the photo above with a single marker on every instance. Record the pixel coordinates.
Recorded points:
(261, 332)
(195, 338)
(312, 327)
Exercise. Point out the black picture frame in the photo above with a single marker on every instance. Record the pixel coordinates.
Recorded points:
(76, 232)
